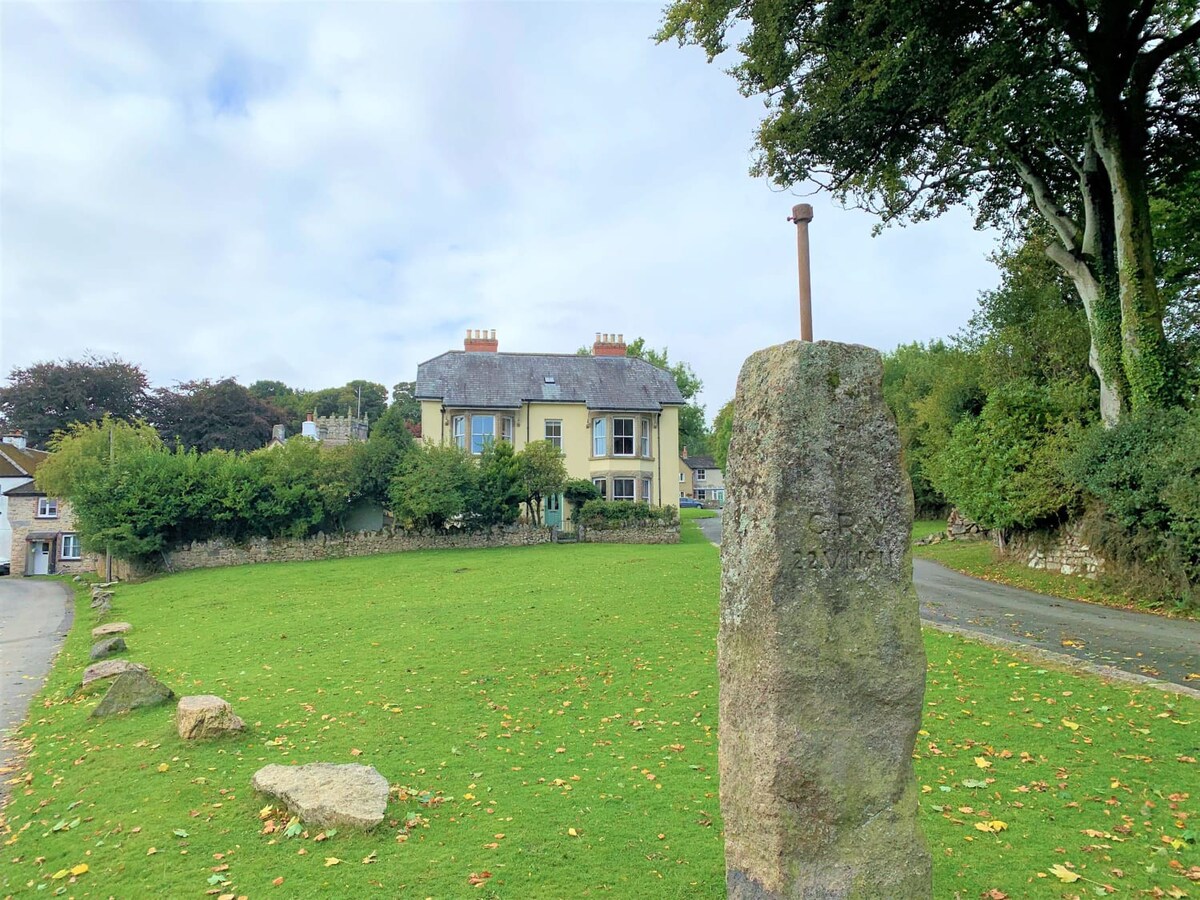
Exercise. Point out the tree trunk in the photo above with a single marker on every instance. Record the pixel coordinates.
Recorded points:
(1144, 351)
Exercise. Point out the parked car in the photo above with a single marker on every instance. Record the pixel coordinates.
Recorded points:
(689, 503)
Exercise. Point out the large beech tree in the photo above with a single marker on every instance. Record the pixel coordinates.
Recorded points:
(1078, 111)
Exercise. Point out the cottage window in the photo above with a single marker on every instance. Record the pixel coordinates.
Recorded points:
(602, 486)
(699, 474)
(622, 437)
(458, 428)
(483, 432)
(599, 437)
(47, 508)
(554, 432)
(645, 438)
(70, 547)
(623, 488)
(506, 429)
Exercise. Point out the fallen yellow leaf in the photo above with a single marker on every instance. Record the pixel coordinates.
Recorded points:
(265, 812)
(162, 767)
(332, 861)
(79, 869)
(1063, 874)
(982, 763)
(1074, 726)
(572, 832)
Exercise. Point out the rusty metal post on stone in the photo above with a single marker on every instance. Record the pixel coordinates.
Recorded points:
(802, 214)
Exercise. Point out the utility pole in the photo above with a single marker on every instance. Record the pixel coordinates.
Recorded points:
(802, 214)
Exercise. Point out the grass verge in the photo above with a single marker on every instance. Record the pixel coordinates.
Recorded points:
(550, 713)
(981, 559)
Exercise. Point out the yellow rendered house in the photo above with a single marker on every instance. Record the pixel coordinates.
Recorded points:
(615, 417)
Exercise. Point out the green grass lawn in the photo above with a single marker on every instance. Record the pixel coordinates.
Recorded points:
(547, 717)
(982, 560)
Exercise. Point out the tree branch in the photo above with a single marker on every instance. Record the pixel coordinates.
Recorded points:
(1066, 228)
(1149, 62)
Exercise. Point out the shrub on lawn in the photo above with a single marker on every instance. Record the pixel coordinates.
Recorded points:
(603, 514)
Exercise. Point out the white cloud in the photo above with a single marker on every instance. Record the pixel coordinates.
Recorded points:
(318, 192)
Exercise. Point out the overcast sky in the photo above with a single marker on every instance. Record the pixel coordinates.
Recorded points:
(315, 192)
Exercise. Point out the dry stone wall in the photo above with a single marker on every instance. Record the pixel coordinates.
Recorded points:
(632, 534)
(1063, 551)
(215, 554)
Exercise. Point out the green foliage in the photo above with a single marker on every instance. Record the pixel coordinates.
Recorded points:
(213, 415)
(1145, 472)
(501, 490)
(929, 389)
(607, 514)
(579, 491)
(405, 403)
(541, 471)
(1004, 468)
(52, 396)
(1074, 113)
(436, 486)
(722, 431)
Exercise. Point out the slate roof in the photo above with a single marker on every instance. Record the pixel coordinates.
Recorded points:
(18, 463)
(507, 380)
(30, 489)
(701, 462)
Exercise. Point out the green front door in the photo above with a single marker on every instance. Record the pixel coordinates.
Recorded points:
(553, 510)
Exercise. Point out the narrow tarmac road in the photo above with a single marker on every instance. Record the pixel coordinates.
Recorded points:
(1139, 643)
(35, 616)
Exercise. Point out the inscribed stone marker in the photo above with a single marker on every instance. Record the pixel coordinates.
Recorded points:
(822, 669)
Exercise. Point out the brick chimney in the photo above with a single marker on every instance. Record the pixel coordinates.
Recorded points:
(16, 439)
(609, 345)
(684, 453)
(481, 341)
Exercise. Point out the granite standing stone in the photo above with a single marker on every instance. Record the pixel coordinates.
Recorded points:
(822, 669)
(132, 690)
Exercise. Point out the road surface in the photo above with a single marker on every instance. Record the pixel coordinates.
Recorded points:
(1140, 643)
(35, 616)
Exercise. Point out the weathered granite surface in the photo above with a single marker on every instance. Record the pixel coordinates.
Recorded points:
(132, 690)
(822, 669)
(327, 795)
(108, 646)
(206, 716)
(109, 668)
(111, 628)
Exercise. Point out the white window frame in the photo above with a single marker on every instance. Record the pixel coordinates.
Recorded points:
(506, 428)
(699, 474)
(632, 489)
(631, 438)
(647, 489)
(484, 438)
(553, 438)
(681, 478)
(64, 553)
(645, 438)
(47, 508)
(458, 431)
(602, 486)
(599, 437)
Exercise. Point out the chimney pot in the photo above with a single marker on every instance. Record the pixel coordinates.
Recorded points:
(481, 341)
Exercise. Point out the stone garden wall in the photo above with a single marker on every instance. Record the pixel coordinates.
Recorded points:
(631, 534)
(214, 554)
(1062, 551)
